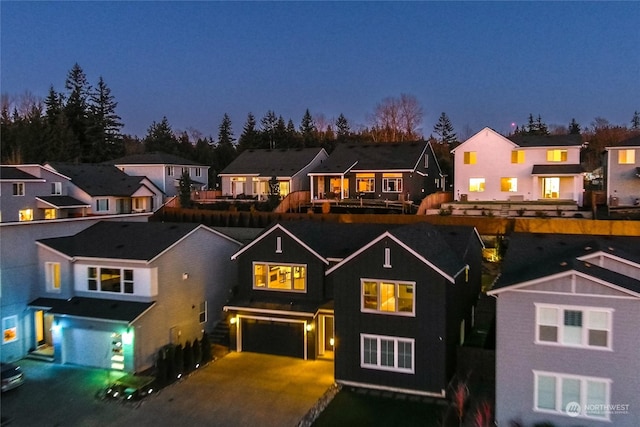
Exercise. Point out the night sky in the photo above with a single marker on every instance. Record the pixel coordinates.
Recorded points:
(483, 63)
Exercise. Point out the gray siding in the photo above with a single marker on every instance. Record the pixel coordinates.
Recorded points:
(622, 181)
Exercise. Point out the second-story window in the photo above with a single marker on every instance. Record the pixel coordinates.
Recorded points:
(470, 157)
(556, 155)
(626, 157)
(170, 171)
(18, 188)
(387, 297)
(573, 326)
(52, 276)
(517, 156)
(106, 279)
(56, 188)
(280, 277)
(198, 171)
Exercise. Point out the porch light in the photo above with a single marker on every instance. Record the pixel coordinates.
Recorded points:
(331, 341)
(185, 276)
(233, 320)
(309, 327)
(127, 337)
(56, 326)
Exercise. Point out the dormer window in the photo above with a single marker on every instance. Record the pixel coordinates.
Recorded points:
(278, 245)
(387, 258)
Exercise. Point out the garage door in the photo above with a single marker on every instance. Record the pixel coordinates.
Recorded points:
(265, 336)
(87, 347)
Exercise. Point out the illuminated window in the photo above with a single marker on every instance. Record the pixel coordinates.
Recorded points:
(508, 184)
(626, 157)
(18, 188)
(365, 182)
(555, 392)
(289, 277)
(110, 280)
(573, 326)
(476, 184)
(25, 215)
(556, 155)
(517, 156)
(102, 205)
(388, 297)
(56, 188)
(470, 157)
(392, 182)
(10, 328)
(52, 276)
(49, 214)
(387, 353)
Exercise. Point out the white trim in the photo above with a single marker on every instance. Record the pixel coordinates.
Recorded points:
(268, 232)
(49, 269)
(558, 394)
(400, 243)
(603, 254)
(267, 311)
(560, 326)
(5, 328)
(442, 393)
(271, 319)
(378, 365)
(525, 291)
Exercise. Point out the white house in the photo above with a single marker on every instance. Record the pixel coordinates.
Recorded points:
(491, 167)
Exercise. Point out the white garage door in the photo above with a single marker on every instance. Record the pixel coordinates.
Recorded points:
(87, 347)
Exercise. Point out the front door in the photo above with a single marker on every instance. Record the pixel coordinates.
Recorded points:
(43, 323)
(551, 188)
(326, 336)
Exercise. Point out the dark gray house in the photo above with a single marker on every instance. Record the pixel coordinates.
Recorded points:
(282, 304)
(568, 310)
(388, 171)
(403, 303)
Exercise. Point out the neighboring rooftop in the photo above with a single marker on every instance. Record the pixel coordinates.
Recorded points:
(99, 179)
(268, 163)
(155, 158)
(12, 173)
(546, 140)
(93, 308)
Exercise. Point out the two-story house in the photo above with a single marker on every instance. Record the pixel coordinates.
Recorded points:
(252, 171)
(568, 310)
(282, 304)
(622, 173)
(32, 193)
(403, 304)
(108, 190)
(492, 167)
(113, 294)
(164, 170)
(388, 171)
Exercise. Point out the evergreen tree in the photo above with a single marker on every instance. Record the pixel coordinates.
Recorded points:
(77, 112)
(342, 127)
(250, 137)
(160, 137)
(574, 127)
(444, 129)
(308, 130)
(225, 134)
(105, 124)
(269, 123)
(536, 126)
(635, 121)
(225, 150)
(58, 133)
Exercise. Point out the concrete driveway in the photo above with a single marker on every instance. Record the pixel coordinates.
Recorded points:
(240, 389)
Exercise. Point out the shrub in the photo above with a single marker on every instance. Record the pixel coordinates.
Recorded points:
(187, 356)
(207, 356)
(197, 352)
(178, 361)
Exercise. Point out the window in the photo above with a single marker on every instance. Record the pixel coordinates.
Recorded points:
(198, 171)
(18, 188)
(25, 215)
(203, 312)
(102, 205)
(392, 182)
(185, 171)
(280, 277)
(508, 184)
(56, 188)
(470, 157)
(517, 156)
(626, 157)
(387, 258)
(388, 297)
(565, 394)
(50, 214)
(573, 326)
(52, 276)
(278, 245)
(170, 171)
(556, 155)
(365, 183)
(106, 279)
(10, 328)
(387, 353)
(476, 184)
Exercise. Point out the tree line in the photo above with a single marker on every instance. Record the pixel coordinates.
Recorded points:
(80, 124)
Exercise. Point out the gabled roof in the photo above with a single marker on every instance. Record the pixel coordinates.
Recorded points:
(326, 240)
(100, 179)
(62, 202)
(634, 141)
(12, 173)
(526, 141)
(94, 308)
(383, 156)
(139, 241)
(564, 169)
(440, 247)
(155, 158)
(268, 163)
(534, 256)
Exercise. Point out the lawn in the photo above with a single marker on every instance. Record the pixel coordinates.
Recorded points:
(351, 407)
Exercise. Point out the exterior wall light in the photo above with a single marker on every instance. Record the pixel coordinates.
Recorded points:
(309, 327)
(233, 320)
(185, 276)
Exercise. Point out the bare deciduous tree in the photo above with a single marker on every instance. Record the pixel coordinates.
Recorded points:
(397, 119)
